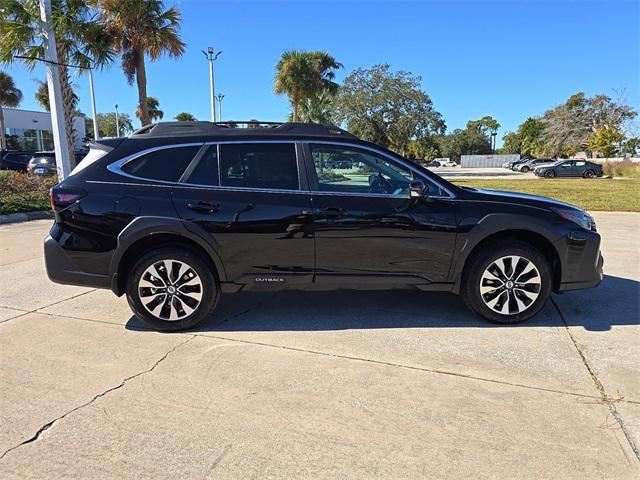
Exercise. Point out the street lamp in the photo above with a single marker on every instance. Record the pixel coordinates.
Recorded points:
(220, 97)
(211, 57)
(494, 134)
(117, 122)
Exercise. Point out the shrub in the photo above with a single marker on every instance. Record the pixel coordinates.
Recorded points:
(20, 192)
(625, 168)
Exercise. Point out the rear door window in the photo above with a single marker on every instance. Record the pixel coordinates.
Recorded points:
(205, 172)
(259, 165)
(167, 164)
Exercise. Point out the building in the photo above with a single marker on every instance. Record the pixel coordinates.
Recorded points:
(31, 130)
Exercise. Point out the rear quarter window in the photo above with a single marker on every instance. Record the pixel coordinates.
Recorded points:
(166, 165)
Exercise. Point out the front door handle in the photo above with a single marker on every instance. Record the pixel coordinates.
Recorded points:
(204, 207)
(334, 211)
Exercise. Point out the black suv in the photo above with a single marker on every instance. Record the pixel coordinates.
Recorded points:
(177, 213)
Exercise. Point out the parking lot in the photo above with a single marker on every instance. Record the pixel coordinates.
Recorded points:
(395, 384)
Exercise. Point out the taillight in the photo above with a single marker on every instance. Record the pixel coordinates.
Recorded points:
(61, 198)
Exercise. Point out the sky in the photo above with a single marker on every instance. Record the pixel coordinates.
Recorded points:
(507, 59)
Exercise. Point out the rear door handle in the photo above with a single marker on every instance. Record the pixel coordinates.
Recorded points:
(204, 207)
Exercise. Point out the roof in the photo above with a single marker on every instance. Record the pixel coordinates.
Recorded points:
(239, 128)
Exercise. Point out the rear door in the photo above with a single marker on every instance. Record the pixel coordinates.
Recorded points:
(252, 200)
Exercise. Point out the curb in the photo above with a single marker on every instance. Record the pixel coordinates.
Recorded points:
(25, 216)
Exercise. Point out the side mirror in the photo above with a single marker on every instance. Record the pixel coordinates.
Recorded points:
(417, 189)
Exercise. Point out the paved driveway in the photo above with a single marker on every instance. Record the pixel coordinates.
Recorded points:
(396, 384)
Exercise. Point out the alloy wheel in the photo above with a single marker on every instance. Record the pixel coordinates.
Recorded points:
(170, 289)
(510, 285)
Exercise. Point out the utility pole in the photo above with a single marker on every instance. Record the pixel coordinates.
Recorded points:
(117, 122)
(220, 97)
(61, 146)
(211, 57)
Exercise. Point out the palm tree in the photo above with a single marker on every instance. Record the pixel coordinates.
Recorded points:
(10, 96)
(42, 97)
(303, 75)
(153, 110)
(142, 28)
(185, 117)
(81, 40)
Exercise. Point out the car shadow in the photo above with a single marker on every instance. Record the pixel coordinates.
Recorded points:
(616, 302)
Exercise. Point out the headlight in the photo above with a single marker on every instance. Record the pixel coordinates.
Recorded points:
(579, 217)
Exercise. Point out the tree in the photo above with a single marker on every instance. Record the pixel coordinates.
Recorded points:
(10, 96)
(153, 110)
(306, 77)
(387, 108)
(469, 141)
(568, 127)
(142, 28)
(531, 133)
(605, 141)
(185, 117)
(511, 143)
(107, 124)
(42, 96)
(81, 39)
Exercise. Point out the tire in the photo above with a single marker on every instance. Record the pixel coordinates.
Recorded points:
(589, 174)
(192, 297)
(549, 174)
(518, 306)
(524, 169)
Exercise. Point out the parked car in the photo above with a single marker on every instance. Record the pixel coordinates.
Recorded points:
(15, 160)
(529, 165)
(180, 212)
(511, 164)
(570, 168)
(42, 163)
(443, 162)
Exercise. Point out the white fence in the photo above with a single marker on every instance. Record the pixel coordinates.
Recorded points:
(479, 161)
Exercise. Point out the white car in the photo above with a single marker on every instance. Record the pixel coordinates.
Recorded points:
(445, 162)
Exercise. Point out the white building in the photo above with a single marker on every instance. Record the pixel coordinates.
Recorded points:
(31, 130)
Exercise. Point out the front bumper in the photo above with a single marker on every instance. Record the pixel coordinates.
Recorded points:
(61, 269)
(581, 261)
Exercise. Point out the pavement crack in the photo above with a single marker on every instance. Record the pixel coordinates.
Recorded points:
(400, 365)
(604, 396)
(51, 423)
(37, 310)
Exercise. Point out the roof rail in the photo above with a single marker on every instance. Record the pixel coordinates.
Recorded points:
(203, 128)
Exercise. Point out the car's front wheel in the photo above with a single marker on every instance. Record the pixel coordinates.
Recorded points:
(507, 284)
(524, 169)
(549, 174)
(172, 289)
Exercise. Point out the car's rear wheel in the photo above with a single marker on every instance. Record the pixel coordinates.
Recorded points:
(549, 174)
(172, 289)
(507, 284)
(589, 174)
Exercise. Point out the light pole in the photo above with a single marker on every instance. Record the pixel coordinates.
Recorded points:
(211, 56)
(220, 97)
(117, 122)
(60, 141)
(494, 134)
(96, 135)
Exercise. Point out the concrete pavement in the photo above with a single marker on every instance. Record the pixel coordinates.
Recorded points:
(347, 384)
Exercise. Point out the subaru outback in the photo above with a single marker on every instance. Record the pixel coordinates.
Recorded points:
(180, 212)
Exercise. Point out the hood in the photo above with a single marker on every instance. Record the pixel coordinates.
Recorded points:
(516, 197)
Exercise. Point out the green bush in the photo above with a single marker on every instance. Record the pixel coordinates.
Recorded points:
(20, 192)
(625, 168)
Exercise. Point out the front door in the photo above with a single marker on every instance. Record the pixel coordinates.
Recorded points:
(247, 197)
(367, 226)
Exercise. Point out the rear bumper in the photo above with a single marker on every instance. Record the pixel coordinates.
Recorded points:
(61, 269)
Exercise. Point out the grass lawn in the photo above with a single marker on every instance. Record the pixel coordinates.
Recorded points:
(602, 194)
